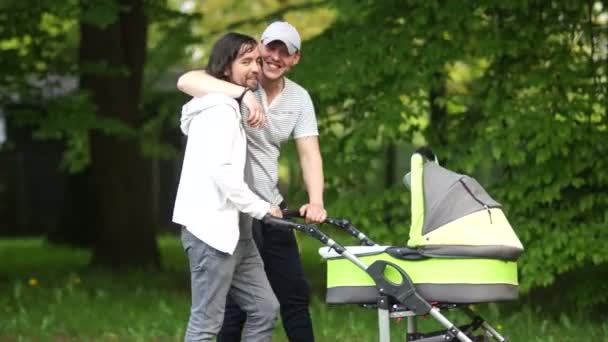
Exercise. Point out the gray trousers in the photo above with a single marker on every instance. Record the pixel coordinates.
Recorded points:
(214, 275)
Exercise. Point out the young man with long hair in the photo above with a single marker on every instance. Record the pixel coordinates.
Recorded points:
(212, 191)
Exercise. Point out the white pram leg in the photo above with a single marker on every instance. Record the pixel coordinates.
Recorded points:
(384, 329)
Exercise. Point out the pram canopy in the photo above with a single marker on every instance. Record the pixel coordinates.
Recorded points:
(453, 215)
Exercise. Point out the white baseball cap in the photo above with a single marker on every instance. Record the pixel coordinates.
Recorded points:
(284, 32)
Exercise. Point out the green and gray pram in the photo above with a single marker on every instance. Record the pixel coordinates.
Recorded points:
(461, 251)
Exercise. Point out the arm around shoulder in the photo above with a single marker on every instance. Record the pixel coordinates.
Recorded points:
(198, 83)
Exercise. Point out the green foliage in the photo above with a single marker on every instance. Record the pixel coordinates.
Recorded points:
(514, 93)
(39, 70)
(68, 118)
(100, 14)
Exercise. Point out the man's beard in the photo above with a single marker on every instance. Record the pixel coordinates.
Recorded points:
(254, 86)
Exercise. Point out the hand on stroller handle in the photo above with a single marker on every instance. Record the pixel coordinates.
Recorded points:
(309, 229)
(283, 222)
(341, 223)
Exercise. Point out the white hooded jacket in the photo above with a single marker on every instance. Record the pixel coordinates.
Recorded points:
(212, 189)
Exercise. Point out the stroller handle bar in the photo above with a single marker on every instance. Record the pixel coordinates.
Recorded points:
(341, 223)
(309, 229)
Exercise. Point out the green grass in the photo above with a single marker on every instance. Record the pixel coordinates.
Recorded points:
(48, 294)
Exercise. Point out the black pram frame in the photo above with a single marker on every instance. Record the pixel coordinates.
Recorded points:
(395, 300)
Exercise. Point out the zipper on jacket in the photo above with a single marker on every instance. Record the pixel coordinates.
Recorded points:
(477, 199)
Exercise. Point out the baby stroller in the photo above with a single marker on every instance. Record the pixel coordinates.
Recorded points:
(461, 251)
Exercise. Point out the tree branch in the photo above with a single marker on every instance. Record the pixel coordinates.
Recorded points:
(272, 15)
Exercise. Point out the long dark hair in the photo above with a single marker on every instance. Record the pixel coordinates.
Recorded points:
(226, 50)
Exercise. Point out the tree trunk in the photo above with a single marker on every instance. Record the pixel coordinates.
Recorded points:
(124, 215)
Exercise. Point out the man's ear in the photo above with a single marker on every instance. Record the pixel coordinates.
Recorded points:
(296, 56)
(227, 73)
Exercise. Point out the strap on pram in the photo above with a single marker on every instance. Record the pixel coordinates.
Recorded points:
(405, 253)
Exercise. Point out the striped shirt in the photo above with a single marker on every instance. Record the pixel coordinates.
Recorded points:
(290, 115)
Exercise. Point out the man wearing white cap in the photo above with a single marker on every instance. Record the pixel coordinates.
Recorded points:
(289, 113)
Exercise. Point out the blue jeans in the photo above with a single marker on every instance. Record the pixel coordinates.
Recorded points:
(279, 250)
(214, 276)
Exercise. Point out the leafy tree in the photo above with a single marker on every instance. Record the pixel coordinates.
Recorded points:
(108, 138)
(512, 92)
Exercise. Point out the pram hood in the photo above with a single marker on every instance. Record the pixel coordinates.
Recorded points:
(453, 216)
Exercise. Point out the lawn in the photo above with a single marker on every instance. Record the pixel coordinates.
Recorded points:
(47, 294)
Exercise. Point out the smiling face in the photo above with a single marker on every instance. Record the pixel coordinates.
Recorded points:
(276, 60)
(246, 67)
(235, 58)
